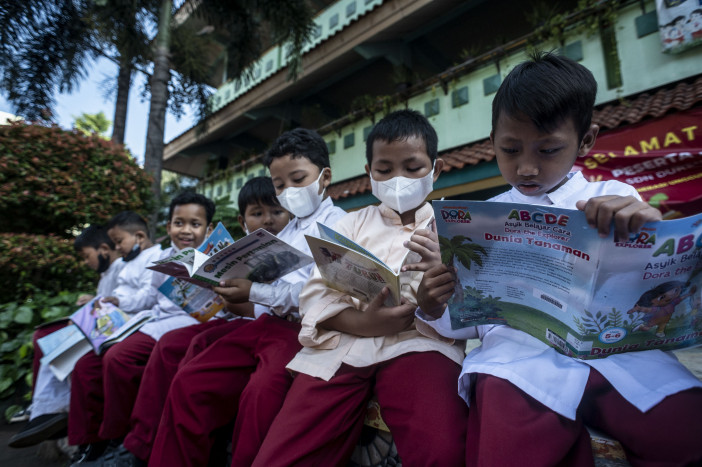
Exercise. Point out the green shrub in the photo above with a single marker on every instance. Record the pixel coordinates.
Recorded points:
(47, 263)
(53, 181)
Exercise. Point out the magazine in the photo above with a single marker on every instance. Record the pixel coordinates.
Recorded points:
(544, 271)
(200, 302)
(349, 268)
(103, 324)
(258, 257)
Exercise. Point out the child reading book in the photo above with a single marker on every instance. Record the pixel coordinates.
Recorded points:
(50, 398)
(528, 402)
(248, 364)
(353, 349)
(133, 293)
(259, 209)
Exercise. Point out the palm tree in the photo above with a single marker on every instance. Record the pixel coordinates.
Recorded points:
(456, 248)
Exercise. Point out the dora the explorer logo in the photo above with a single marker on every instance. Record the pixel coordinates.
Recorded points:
(455, 215)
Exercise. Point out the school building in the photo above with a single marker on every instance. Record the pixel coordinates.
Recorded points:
(446, 59)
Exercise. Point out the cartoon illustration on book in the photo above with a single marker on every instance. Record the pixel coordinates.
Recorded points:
(658, 305)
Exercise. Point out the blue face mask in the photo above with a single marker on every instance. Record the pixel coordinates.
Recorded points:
(136, 249)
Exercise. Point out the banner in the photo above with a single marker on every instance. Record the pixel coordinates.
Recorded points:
(679, 23)
(661, 158)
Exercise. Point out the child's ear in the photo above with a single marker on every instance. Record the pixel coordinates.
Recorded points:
(240, 218)
(368, 170)
(210, 228)
(104, 249)
(168, 228)
(438, 166)
(588, 140)
(492, 138)
(326, 177)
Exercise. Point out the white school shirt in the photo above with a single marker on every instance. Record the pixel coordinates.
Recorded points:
(167, 316)
(108, 279)
(643, 378)
(282, 297)
(134, 282)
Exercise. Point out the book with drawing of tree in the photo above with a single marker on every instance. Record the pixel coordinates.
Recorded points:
(348, 267)
(544, 271)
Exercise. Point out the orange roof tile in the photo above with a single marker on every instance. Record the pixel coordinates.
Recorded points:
(682, 96)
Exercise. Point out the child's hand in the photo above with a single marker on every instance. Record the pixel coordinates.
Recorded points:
(436, 289)
(425, 243)
(245, 310)
(113, 300)
(629, 214)
(234, 290)
(83, 299)
(380, 320)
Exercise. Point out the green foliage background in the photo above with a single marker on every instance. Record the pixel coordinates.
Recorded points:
(53, 183)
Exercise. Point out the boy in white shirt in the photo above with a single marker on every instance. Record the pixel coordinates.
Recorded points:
(529, 404)
(133, 293)
(50, 398)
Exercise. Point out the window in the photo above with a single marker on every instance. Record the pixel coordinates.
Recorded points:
(459, 97)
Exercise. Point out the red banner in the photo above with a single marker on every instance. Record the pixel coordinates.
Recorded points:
(661, 158)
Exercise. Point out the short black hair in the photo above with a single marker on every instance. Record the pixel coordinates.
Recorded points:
(129, 221)
(92, 237)
(548, 89)
(190, 197)
(400, 125)
(299, 142)
(257, 190)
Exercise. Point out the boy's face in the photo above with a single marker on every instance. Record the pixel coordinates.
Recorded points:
(188, 227)
(534, 162)
(288, 171)
(91, 256)
(257, 215)
(124, 241)
(404, 158)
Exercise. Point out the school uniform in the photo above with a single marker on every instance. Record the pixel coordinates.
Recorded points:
(134, 291)
(242, 375)
(518, 378)
(49, 394)
(337, 373)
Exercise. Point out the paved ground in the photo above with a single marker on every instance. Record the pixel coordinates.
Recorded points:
(47, 455)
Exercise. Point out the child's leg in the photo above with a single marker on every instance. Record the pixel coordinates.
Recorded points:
(158, 374)
(265, 392)
(87, 399)
(43, 331)
(419, 402)
(123, 366)
(51, 396)
(670, 433)
(204, 396)
(210, 336)
(508, 427)
(320, 421)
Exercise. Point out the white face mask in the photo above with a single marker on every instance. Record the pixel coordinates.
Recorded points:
(302, 201)
(401, 193)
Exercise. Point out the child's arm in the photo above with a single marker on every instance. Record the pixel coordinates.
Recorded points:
(281, 297)
(83, 299)
(375, 320)
(245, 310)
(629, 214)
(435, 290)
(234, 290)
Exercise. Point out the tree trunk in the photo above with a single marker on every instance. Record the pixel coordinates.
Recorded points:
(153, 156)
(124, 82)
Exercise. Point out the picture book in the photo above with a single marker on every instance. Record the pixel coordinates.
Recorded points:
(103, 324)
(544, 271)
(348, 267)
(258, 257)
(200, 302)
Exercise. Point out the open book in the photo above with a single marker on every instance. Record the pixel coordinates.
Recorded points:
(348, 267)
(544, 271)
(200, 302)
(95, 326)
(103, 324)
(258, 257)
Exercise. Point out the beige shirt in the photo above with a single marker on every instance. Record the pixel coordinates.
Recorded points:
(380, 230)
